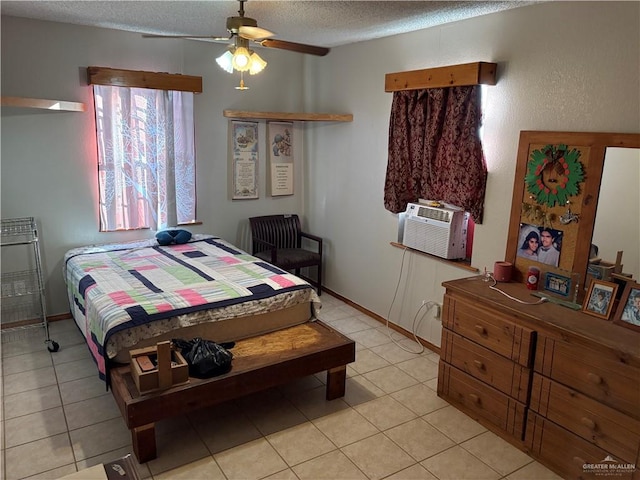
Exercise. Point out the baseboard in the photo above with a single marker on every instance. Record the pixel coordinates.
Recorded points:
(382, 320)
(58, 317)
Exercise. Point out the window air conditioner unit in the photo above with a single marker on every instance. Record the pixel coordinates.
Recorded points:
(437, 230)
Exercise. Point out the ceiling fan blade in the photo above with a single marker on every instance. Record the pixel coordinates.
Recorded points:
(294, 47)
(254, 33)
(211, 37)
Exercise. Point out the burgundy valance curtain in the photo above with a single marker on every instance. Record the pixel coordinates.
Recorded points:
(434, 149)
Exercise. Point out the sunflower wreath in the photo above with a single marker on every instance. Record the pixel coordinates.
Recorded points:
(554, 174)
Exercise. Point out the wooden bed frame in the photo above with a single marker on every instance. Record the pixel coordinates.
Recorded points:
(259, 363)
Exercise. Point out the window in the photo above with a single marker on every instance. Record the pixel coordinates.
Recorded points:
(146, 157)
(435, 150)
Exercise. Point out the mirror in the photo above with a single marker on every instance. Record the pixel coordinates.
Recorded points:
(564, 199)
(617, 224)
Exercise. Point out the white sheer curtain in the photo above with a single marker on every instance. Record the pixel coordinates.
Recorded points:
(146, 157)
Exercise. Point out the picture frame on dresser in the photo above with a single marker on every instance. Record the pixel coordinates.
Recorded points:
(600, 299)
(628, 312)
(621, 279)
(557, 284)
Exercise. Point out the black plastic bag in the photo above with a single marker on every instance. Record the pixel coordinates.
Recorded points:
(205, 358)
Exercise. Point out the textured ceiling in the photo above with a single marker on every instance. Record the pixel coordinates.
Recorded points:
(325, 23)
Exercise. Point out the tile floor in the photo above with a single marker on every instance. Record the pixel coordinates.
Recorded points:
(57, 418)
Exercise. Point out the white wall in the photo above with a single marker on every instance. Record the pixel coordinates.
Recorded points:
(562, 66)
(565, 66)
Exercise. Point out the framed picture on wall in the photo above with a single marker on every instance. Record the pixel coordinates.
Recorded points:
(244, 160)
(600, 299)
(628, 312)
(280, 179)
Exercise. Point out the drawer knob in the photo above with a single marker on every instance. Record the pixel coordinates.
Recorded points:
(479, 365)
(481, 330)
(595, 379)
(587, 422)
(474, 398)
(579, 461)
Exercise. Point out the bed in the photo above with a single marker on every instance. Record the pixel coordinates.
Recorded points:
(131, 295)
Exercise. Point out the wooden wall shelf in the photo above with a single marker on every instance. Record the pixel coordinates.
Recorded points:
(43, 104)
(301, 117)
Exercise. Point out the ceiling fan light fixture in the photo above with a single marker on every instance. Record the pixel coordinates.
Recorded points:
(225, 61)
(241, 60)
(239, 57)
(256, 64)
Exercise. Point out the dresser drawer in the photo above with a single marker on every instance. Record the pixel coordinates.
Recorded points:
(483, 364)
(598, 373)
(570, 455)
(482, 400)
(489, 329)
(613, 431)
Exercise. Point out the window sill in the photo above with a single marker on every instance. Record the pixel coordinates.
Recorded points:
(464, 264)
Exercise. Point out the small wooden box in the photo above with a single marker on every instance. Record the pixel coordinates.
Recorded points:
(170, 368)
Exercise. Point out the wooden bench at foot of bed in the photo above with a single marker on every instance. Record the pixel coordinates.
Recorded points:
(258, 363)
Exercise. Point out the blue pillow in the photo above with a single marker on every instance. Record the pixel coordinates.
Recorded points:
(167, 237)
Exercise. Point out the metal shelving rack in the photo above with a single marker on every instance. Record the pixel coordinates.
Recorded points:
(23, 297)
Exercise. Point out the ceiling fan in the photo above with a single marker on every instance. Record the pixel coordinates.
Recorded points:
(244, 29)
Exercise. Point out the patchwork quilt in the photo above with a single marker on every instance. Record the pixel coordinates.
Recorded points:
(116, 287)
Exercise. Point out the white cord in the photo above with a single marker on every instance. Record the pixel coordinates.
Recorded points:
(493, 287)
(416, 323)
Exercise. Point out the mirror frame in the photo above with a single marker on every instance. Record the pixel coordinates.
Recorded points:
(595, 145)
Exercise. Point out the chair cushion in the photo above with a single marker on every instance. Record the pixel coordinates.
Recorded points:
(290, 258)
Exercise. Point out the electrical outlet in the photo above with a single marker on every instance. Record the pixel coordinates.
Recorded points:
(436, 311)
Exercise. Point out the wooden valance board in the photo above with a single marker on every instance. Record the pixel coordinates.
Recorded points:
(477, 73)
(141, 79)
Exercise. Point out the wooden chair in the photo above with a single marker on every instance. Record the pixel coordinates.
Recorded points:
(277, 239)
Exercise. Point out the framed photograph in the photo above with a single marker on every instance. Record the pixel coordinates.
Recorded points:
(628, 312)
(600, 299)
(539, 244)
(621, 279)
(558, 284)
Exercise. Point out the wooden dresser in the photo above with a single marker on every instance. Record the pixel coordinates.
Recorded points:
(557, 383)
